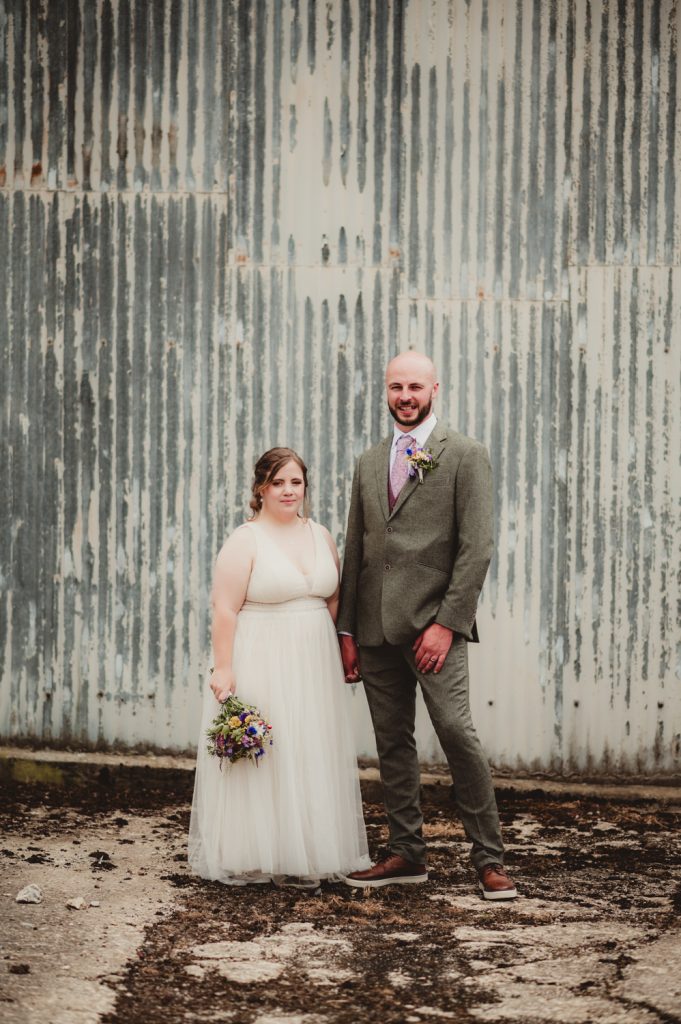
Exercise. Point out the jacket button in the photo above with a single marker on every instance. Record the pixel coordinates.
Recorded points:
(387, 566)
(389, 529)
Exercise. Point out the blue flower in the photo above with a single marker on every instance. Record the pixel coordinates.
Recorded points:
(252, 731)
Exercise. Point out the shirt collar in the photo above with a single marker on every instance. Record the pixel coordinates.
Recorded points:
(420, 433)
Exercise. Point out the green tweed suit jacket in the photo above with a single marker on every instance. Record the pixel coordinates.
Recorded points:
(426, 560)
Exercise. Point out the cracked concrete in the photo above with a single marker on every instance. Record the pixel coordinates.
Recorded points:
(70, 953)
(595, 935)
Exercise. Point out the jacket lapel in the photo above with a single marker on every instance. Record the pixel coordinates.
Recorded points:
(382, 467)
(436, 443)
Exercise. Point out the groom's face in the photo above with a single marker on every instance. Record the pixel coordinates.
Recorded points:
(411, 391)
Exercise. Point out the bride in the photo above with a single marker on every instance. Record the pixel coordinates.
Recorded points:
(296, 816)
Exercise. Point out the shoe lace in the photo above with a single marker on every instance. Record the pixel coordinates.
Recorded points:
(498, 869)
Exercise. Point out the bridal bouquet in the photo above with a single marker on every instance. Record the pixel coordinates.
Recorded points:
(239, 731)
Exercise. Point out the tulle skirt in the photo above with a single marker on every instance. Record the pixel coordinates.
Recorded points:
(298, 812)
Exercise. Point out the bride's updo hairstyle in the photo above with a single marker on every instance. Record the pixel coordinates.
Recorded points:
(266, 469)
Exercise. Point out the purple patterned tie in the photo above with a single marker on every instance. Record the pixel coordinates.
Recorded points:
(400, 470)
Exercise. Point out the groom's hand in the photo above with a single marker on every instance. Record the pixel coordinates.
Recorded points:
(350, 657)
(431, 647)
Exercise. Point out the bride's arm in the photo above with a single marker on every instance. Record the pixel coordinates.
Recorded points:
(230, 583)
(332, 602)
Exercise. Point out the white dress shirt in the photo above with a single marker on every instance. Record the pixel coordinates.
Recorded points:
(420, 435)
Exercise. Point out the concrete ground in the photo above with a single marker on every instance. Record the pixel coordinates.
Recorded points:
(595, 936)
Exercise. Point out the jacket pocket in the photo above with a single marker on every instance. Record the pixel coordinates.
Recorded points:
(435, 568)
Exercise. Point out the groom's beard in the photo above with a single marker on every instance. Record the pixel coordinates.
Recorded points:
(423, 414)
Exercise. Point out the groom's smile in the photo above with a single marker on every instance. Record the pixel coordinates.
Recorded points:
(412, 412)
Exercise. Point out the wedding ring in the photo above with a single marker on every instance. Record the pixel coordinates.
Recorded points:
(434, 658)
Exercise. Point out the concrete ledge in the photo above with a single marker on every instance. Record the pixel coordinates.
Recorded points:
(125, 775)
(64, 769)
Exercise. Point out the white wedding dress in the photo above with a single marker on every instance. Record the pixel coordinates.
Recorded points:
(298, 812)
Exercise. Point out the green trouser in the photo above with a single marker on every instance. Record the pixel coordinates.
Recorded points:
(390, 677)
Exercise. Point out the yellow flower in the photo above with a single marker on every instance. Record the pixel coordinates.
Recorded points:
(234, 722)
(248, 719)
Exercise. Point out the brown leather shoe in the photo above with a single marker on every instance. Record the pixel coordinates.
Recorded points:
(392, 870)
(495, 884)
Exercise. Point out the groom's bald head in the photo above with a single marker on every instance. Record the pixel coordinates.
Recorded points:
(415, 364)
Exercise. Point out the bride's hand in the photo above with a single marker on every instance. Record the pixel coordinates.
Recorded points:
(223, 683)
(350, 658)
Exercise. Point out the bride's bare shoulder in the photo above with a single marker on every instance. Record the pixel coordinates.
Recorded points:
(240, 545)
(242, 530)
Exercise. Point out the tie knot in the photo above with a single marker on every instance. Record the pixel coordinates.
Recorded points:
(404, 442)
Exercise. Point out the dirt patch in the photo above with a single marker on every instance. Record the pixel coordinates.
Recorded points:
(599, 884)
(344, 955)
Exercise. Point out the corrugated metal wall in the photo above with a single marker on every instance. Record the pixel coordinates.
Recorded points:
(219, 219)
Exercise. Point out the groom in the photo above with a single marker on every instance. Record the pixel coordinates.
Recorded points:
(416, 554)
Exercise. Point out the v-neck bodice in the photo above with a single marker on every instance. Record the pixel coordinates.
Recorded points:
(275, 579)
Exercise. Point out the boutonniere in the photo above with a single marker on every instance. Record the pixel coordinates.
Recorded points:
(420, 460)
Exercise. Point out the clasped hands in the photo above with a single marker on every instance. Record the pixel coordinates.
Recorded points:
(430, 648)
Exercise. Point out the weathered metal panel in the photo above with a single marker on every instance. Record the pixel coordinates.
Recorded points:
(218, 220)
(625, 204)
(622, 658)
